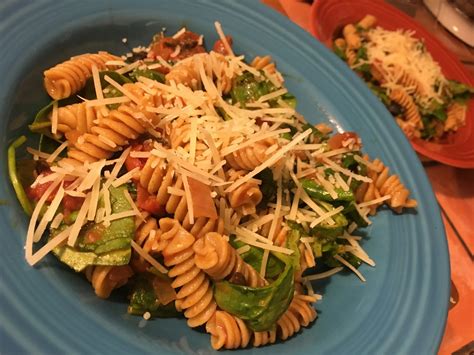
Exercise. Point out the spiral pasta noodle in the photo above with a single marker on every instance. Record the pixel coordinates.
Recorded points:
(113, 131)
(157, 177)
(385, 184)
(230, 332)
(105, 279)
(69, 77)
(351, 56)
(146, 236)
(185, 74)
(194, 295)
(280, 233)
(300, 313)
(352, 38)
(367, 22)
(246, 197)
(76, 117)
(407, 80)
(216, 257)
(264, 63)
(412, 114)
(248, 158)
(455, 117)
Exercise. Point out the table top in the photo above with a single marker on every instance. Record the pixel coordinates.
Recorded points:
(456, 197)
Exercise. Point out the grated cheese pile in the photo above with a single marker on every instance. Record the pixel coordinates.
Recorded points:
(400, 49)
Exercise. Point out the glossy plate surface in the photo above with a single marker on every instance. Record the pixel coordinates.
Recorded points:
(330, 16)
(48, 309)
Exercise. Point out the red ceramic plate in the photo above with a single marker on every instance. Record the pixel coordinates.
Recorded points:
(329, 16)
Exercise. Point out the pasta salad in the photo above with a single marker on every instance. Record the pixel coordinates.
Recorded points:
(400, 71)
(188, 177)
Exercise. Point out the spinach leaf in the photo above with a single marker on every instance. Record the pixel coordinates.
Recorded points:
(260, 307)
(461, 92)
(362, 53)
(110, 245)
(143, 299)
(458, 88)
(290, 100)
(380, 93)
(268, 187)
(339, 52)
(41, 124)
(330, 231)
(319, 193)
(352, 214)
(246, 88)
(48, 145)
(436, 111)
(89, 89)
(254, 256)
(147, 73)
(116, 236)
(79, 260)
(14, 176)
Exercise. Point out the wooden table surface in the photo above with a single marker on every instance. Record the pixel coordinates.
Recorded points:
(454, 188)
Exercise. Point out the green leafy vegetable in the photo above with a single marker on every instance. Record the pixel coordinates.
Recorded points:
(352, 213)
(290, 100)
(79, 260)
(268, 186)
(89, 89)
(147, 73)
(246, 88)
(143, 299)
(254, 257)
(461, 92)
(48, 145)
(12, 171)
(380, 93)
(325, 229)
(261, 307)
(362, 53)
(339, 52)
(100, 245)
(41, 124)
(316, 133)
(115, 236)
(319, 193)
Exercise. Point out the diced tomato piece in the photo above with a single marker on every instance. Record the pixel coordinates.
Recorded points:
(336, 140)
(72, 203)
(148, 202)
(188, 44)
(36, 192)
(219, 45)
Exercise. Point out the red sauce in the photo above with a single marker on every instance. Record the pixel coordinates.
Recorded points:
(219, 45)
(165, 46)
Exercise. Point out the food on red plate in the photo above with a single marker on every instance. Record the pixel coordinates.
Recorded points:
(401, 72)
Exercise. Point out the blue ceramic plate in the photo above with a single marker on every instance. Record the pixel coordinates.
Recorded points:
(48, 309)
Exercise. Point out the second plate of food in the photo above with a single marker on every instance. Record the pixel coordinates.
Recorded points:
(422, 84)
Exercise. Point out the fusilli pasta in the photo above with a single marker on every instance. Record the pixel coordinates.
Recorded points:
(195, 295)
(215, 256)
(69, 77)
